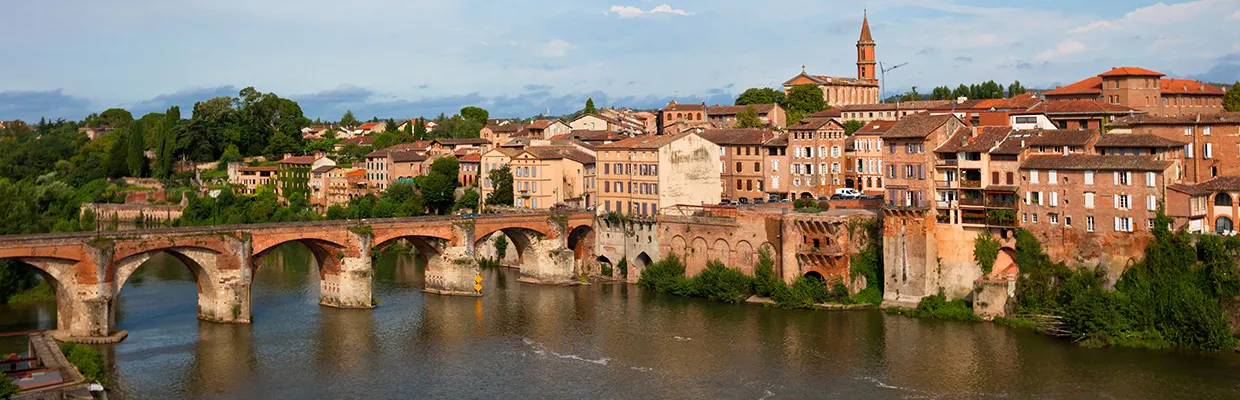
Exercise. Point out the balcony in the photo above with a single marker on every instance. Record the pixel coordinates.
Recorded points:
(972, 220)
(946, 184)
(524, 193)
(1000, 203)
(945, 163)
(971, 184)
(973, 202)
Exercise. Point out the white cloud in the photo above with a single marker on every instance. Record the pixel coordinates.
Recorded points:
(1066, 47)
(1234, 16)
(633, 12)
(556, 48)
(1092, 26)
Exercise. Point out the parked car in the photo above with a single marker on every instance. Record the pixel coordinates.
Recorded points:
(744, 200)
(725, 203)
(848, 193)
(469, 216)
(786, 201)
(759, 201)
(837, 197)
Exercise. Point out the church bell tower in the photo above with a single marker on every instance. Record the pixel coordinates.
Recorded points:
(865, 53)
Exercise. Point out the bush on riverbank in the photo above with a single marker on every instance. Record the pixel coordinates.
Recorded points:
(87, 360)
(868, 262)
(1169, 298)
(716, 283)
(937, 307)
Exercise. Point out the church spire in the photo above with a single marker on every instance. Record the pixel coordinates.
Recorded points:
(865, 27)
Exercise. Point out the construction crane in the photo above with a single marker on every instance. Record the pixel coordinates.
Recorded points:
(881, 84)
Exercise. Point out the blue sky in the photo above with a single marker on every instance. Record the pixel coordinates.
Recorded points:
(403, 58)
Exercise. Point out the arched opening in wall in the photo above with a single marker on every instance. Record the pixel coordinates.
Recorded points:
(1222, 199)
(642, 261)
(1223, 225)
(156, 285)
(807, 195)
(401, 262)
(816, 276)
(518, 240)
(581, 241)
(29, 295)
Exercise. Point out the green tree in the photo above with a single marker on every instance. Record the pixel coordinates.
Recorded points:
(961, 91)
(438, 186)
(760, 96)
(117, 161)
(419, 129)
(589, 109)
(985, 251)
(475, 114)
(348, 120)
(748, 119)
(501, 247)
(468, 201)
(851, 126)
(941, 93)
(1016, 89)
(115, 118)
(911, 95)
(501, 183)
(335, 212)
(135, 157)
(1231, 100)
(804, 100)
(8, 387)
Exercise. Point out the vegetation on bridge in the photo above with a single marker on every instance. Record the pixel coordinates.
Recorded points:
(87, 360)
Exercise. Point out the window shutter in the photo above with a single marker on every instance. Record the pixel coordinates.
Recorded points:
(1116, 197)
(1051, 177)
(1089, 177)
(1209, 150)
(1054, 199)
(1027, 198)
(1116, 178)
(1149, 179)
(1128, 178)
(1188, 151)
(1117, 229)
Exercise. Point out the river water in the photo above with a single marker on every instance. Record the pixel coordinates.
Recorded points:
(603, 341)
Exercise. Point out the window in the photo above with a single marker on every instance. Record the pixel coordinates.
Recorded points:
(1207, 151)
(1011, 178)
(1089, 200)
(1067, 220)
(1054, 199)
(1123, 224)
(1149, 179)
(1024, 217)
(1223, 225)
(1151, 203)
(1054, 218)
(1089, 223)
(738, 167)
(1033, 176)
(1206, 131)
(1123, 178)
(1188, 151)
(1188, 131)
(1089, 177)
(1033, 218)
(994, 178)
(1123, 202)
(757, 167)
(1222, 199)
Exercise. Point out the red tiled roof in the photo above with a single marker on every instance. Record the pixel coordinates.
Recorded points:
(1214, 185)
(298, 160)
(461, 141)
(1020, 102)
(360, 141)
(1136, 140)
(644, 142)
(1079, 107)
(406, 156)
(558, 152)
(815, 124)
(964, 139)
(832, 113)
(733, 110)
(778, 141)
(684, 107)
(1227, 118)
(1056, 137)
(1090, 85)
(899, 105)
(1130, 71)
(865, 29)
(1083, 162)
(369, 125)
(875, 127)
(266, 168)
(1187, 86)
(323, 168)
(470, 158)
(355, 173)
(736, 136)
(506, 128)
(917, 126)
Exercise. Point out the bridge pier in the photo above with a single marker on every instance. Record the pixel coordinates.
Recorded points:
(548, 260)
(349, 284)
(452, 272)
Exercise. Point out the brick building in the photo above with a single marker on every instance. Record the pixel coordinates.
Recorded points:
(644, 174)
(772, 115)
(740, 162)
(1211, 141)
(544, 176)
(896, 111)
(1207, 207)
(678, 117)
(777, 169)
(909, 159)
(839, 91)
(868, 156)
(817, 157)
(1144, 90)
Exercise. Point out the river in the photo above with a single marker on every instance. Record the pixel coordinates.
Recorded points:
(602, 341)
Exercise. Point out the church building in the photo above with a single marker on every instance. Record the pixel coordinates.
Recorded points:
(840, 91)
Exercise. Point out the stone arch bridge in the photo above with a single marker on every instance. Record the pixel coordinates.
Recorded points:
(87, 270)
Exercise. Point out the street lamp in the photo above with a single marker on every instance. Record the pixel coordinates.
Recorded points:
(883, 94)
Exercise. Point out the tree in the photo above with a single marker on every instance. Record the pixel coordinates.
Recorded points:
(1231, 100)
(804, 100)
(115, 118)
(348, 120)
(748, 119)
(961, 91)
(941, 93)
(439, 185)
(501, 181)
(468, 201)
(475, 114)
(852, 126)
(911, 95)
(760, 96)
(8, 388)
(1016, 89)
(117, 165)
(589, 107)
(501, 247)
(419, 129)
(135, 157)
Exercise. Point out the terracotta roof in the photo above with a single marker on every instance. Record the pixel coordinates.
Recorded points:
(360, 141)
(506, 128)
(832, 80)
(876, 127)
(673, 106)
(298, 160)
(461, 141)
(815, 124)
(355, 173)
(778, 141)
(917, 126)
(377, 153)
(506, 151)
(1020, 102)
(415, 146)
(540, 124)
(1214, 185)
(1079, 107)
(964, 139)
(832, 113)
(644, 142)
(902, 105)
(1186, 86)
(1225, 118)
(266, 168)
(369, 125)
(590, 136)
(1056, 137)
(1091, 162)
(733, 110)
(323, 169)
(558, 152)
(1130, 71)
(406, 156)
(1137, 140)
(470, 158)
(1090, 85)
(736, 136)
(599, 116)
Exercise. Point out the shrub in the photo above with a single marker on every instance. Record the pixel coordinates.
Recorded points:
(985, 251)
(624, 268)
(804, 203)
(870, 295)
(937, 307)
(87, 360)
(664, 275)
(802, 293)
(765, 282)
(722, 284)
(606, 269)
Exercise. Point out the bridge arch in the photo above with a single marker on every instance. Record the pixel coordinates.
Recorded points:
(519, 237)
(203, 264)
(679, 247)
(428, 247)
(58, 273)
(327, 253)
(721, 251)
(581, 242)
(697, 257)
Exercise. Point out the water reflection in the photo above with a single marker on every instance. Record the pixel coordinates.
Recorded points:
(597, 341)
